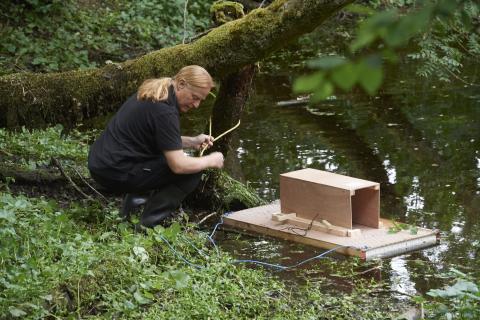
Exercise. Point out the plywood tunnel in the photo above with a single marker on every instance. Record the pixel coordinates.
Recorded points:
(321, 195)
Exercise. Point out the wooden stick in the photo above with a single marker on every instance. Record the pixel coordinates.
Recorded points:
(60, 167)
(209, 133)
(88, 184)
(228, 131)
(206, 217)
(221, 135)
(210, 126)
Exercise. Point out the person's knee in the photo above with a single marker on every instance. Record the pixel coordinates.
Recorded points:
(189, 182)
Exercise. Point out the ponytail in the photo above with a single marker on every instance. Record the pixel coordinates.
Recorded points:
(154, 89)
(157, 89)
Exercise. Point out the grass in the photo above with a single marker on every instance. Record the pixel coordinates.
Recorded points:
(82, 261)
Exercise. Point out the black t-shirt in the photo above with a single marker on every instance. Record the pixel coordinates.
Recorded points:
(139, 131)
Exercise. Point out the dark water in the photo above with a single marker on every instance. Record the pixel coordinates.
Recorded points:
(419, 138)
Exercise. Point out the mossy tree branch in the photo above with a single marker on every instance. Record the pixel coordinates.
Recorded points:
(70, 97)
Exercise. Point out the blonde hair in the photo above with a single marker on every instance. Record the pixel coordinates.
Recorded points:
(157, 89)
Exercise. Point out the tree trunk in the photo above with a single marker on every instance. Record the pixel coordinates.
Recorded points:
(70, 97)
(229, 105)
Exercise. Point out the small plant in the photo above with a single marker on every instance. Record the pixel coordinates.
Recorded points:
(398, 226)
(460, 300)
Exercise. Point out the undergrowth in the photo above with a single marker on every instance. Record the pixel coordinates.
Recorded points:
(86, 34)
(83, 262)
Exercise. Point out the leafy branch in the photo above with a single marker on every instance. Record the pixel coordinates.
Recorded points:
(383, 34)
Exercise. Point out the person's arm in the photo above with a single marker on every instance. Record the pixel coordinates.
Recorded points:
(197, 142)
(180, 163)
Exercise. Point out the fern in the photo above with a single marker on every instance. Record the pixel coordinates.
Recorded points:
(449, 45)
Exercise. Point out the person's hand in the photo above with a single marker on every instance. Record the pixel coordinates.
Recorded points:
(216, 160)
(202, 141)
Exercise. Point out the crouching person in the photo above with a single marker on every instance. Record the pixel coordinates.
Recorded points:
(141, 149)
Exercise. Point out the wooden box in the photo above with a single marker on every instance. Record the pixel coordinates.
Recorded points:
(324, 196)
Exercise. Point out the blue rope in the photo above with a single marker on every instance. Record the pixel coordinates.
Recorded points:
(197, 266)
(320, 256)
(210, 237)
(200, 251)
(266, 264)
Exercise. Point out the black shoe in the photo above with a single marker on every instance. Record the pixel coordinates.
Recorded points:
(161, 205)
(130, 203)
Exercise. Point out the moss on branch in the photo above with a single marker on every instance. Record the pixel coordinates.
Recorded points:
(71, 97)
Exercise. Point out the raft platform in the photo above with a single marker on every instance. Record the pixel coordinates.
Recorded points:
(329, 210)
(369, 243)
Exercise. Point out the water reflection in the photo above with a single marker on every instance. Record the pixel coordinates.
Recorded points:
(400, 277)
(419, 139)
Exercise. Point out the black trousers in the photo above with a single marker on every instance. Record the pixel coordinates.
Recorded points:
(146, 176)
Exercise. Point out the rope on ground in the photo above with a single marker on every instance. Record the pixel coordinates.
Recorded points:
(261, 263)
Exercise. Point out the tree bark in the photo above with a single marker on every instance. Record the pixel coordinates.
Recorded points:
(229, 105)
(70, 97)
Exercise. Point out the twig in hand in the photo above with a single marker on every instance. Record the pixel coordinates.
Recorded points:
(210, 126)
(228, 131)
(60, 167)
(221, 135)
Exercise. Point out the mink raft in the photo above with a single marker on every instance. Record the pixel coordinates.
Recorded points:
(328, 210)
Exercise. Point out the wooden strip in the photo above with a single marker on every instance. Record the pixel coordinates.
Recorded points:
(323, 226)
(281, 217)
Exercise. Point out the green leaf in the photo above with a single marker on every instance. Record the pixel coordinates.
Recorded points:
(171, 232)
(180, 278)
(458, 289)
(345, 76)
(359, 9)
(140, 298)
(308, 83)
(404, 226)
(322, 92)
(413, 230)
(363, 39)
(392, 230)
(446, 8)
(10, 47)
(409, 25)
(326, 62)
(370, 74)
(15, 312)
(390, 55)
(372, 28)
(38, 60)
(7, 215)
